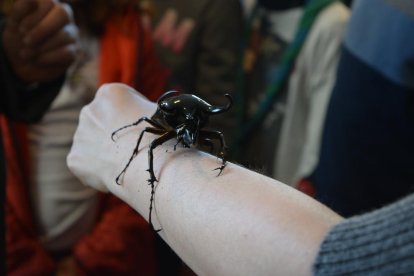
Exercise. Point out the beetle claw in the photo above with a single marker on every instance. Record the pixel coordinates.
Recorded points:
(118, 179)
(221, 168)
(152, 180)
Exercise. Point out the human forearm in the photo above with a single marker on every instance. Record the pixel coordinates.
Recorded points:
(241, 222)
(238, 223)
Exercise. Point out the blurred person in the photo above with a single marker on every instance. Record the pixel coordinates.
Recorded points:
(271, 27)
(367, 150)
(289, 67)
(37, 44)
(241, 222)
(56, 225)
(309, 89)
(200, 43)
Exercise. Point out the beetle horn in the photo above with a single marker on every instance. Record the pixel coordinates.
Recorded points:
(217, 109)
(163, 107)
(165, 95)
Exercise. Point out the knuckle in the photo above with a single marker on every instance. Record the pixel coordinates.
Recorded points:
(71, 33)
(66, 11)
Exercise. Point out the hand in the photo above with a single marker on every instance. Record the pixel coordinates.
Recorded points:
(40, 39)
(94, 158)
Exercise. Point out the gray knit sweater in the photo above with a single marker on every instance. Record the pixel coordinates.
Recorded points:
(378, 243)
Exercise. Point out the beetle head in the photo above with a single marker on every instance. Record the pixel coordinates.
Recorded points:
(187, 113)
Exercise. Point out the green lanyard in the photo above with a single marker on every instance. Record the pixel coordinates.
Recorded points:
(249, 125)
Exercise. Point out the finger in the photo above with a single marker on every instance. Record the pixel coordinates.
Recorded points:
(61, 56)
(68, 35)
(34, 17)
(26, 54)
(19, 11)
(65, 37)
(51, 24)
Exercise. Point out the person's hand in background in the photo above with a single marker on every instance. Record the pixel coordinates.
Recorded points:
(40, 39)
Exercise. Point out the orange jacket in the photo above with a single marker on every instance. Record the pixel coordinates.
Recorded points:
(122, 242)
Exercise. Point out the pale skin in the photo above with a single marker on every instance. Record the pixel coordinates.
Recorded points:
(40, 39)
(239, 223)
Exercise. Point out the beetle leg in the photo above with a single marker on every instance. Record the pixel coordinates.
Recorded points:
(213, 134)
(163, 138)
(135, 152)
(176, 144)
(146, 119)
(160, 140)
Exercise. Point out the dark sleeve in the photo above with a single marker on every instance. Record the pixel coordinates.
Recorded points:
(377, 243)
(219, 56)
(220, 43)
(18, 101)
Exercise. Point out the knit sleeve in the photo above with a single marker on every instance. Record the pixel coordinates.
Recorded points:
(377, 243)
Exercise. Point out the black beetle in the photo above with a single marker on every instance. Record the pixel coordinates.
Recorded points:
(182, 117)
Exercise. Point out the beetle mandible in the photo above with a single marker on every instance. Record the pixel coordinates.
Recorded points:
(182, 117)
